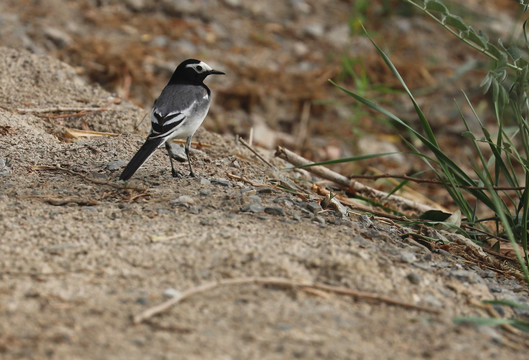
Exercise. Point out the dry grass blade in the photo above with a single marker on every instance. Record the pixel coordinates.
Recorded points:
(78, 133)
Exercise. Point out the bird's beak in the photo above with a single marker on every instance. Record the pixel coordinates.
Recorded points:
(216, 72)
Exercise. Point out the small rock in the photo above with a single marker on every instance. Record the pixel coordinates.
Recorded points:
(277, 211)
(414, 278)
(408, 257)
(319, 220)
(4, 170)
(183, 200)
(313, 207)
(433, 301)
(181, 7)
(305, 213)
(195, 210)
(204, 181)
(466, 276)
(171, 293)
(221, 181)
(135, 5)
(58, 37)
(233, 3)
(97, 175)
(316, 30)
(495, 288)
(207, 221)
(339, 36)
(178, 152)
(162, 211)
(254, 199)
(254, 208)
(141, 300)
(365, 221)
(116, 164)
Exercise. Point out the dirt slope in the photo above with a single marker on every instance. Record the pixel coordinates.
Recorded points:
(80, 255)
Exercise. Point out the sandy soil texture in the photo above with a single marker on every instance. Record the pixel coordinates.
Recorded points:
(82, 254)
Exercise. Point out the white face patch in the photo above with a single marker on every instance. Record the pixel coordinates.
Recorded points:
(200, 67)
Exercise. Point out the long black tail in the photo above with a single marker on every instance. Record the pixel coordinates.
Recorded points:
(141, 156)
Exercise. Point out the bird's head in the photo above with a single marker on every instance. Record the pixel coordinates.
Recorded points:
(194, 71)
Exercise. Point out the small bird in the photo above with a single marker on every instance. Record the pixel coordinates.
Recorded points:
(177, 113)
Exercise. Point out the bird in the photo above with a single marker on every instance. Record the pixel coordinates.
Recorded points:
(176, 114)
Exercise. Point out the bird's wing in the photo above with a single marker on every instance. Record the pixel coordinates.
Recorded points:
(173, 107)
(164, 125)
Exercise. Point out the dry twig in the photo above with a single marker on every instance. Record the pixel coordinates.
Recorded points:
(341, 180)
(58, 201)
(274, 281)
(256, 153)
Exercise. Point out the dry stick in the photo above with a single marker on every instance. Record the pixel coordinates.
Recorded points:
(53, 200)
(249, 147)
(366, 191)
(248, 181)
(274, 281)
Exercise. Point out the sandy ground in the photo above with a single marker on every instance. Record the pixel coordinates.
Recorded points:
(81, 253)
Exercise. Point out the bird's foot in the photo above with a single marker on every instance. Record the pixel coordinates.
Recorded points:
(176, 174)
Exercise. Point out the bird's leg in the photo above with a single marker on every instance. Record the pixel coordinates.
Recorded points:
(188, 144)
(171, 155)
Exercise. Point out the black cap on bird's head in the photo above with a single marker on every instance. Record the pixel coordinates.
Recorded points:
(193, 71)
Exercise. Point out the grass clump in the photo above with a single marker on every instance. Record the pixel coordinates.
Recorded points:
(500, 174)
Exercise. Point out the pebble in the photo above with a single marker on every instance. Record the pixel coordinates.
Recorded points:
(221, 182)
(365, 221)
(204, 181)
(205, 192)
(159, 211)
(408, 257)
(319, 220)
(433, 301)
(135, 5)
(60, 38)
(277, 211)
(207, 221)
(4, 170)
(253, 208)
(177, 8)
(195, 210)
(141, 300)
(97, 175)
(414, 278)
(316, 30)
(254, 198)
(171, 293)
(116, 164)
(179, 153)
(183, 200)
(466, 276)
(313, 207)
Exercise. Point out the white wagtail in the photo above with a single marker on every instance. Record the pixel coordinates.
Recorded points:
(177, 113)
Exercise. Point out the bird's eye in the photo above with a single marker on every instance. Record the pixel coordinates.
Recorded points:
(199, 68)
